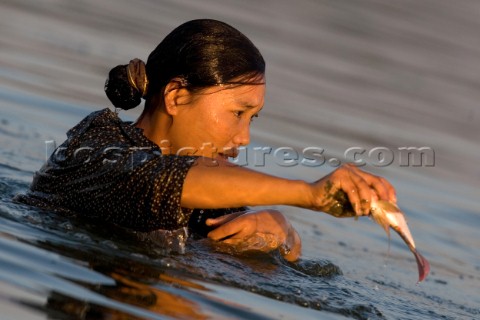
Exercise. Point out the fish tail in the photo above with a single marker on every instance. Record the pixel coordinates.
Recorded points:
(423, 266)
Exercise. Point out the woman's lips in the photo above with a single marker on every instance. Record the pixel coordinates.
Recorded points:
(230, 153)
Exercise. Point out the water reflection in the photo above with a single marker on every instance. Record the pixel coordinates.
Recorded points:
(93, 276)
(135, 285)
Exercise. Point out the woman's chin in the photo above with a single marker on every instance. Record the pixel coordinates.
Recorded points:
(221, 157)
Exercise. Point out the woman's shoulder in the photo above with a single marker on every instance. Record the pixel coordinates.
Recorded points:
(105, 127)
(99, 118)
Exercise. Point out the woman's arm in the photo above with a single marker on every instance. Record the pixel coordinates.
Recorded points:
(222, 184)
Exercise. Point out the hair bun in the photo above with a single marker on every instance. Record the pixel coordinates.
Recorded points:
(127, 84)
(137, 76)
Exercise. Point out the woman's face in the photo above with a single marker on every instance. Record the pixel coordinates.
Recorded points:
(216, 121)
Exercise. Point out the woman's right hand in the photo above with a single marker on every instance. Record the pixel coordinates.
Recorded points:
(360, 187)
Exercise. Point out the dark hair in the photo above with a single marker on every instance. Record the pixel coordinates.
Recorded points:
(202, 53)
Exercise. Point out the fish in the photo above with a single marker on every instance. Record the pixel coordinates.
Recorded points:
(388, 215)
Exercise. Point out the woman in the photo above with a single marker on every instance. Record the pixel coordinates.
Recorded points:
(202, 86)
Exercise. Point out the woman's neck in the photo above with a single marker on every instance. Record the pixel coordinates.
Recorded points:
(155, 126)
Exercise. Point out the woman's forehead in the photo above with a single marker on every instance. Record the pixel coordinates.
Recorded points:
(248, 95)
(245, 94)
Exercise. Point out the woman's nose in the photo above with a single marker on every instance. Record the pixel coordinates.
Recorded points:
(243, 136)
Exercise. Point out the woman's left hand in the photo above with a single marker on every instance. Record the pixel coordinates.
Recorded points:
(264, 230)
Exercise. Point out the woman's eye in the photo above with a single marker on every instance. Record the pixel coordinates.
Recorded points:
(238, 114)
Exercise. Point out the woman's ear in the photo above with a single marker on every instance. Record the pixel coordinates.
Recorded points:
(176, 95)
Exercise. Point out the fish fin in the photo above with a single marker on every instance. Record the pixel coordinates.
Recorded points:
(388, 206)
(387, 230)
(423, 266)
(389, 241)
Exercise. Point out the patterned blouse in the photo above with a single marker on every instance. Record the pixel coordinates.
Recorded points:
(108, 170)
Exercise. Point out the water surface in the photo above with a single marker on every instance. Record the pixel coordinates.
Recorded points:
(340, 74)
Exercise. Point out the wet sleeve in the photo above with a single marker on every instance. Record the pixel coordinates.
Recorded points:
(148, 196)
(140, 191)
(108, 170)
